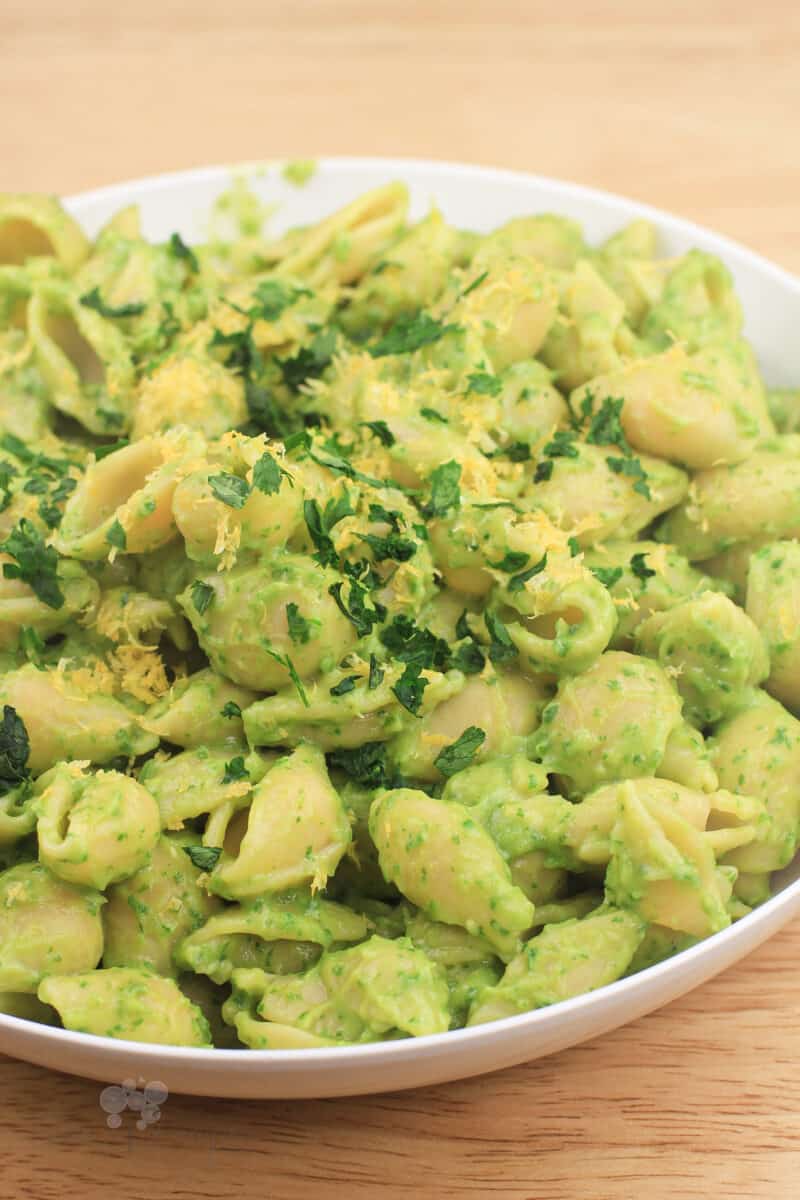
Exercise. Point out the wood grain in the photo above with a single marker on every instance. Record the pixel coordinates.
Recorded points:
(691, 106)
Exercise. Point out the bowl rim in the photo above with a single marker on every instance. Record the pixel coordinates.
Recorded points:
(302, 1059)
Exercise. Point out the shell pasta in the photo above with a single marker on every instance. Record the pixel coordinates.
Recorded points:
(399, 626)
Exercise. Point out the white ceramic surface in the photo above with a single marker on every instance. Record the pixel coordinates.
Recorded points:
(477, 198)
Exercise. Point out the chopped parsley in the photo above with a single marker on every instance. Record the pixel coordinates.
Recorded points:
(267, 475)
(481, 383)
(640, 567)
(376, 674)
(460, 753)
(364, 764)
(608, 576)
(229, 489)
(205, 858)
(355, 608)
(412, 643)
(633, 468)
(561, 445)
(477, 281)
(501, 648)
(286, 662)
(235, 770)
(517, 582)
(410, 333)
(445, 489)
(512, 560)
(178, 249)
(381, 431)
(202, 595)
(230, 710)
(95, 301)
(299, 627)
(398, 548)
(15, 749)
(244, 357)
(606, 429)
(101, 452)
(310, 361)
(380, 515)
(430, 414)
(320, 522)
(544, 471)
(116, 536)
(410, 688)
(32, 644)
(36, 563)
(346, 685)
(273, 297)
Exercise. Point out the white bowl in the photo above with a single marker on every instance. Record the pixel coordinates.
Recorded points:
(478, 198)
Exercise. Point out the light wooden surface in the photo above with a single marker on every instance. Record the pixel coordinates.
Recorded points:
(692, 105)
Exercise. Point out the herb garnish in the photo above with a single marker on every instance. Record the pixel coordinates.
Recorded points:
(36, 563)
(460, 753)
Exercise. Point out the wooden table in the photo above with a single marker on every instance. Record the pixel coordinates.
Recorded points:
(691, 105)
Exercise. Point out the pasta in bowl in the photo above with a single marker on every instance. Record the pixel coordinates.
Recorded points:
(388, 650)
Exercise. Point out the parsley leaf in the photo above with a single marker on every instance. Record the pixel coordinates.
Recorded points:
(544, 471)
(356, 611)
(412, 643)
(410, 687)
(94, 300)
(32, 644)
(273, 297)
(36, 563)
(469, 657)
(460, 753)
(502, 649)
(606, 428)
(299, 627)
(319, 523)
(398, 548)
(202, 595)
(376, 674)
(230, 489)
(445, 489)
(364, 764)
(101, 452)
(477, 281)
(178, 249)
(512, 560)
(640, 567)
(347, 685)
(14, 750)
(633, 468)
(562, 445)
(379, 514)
(244, 358)
(517, 582)
(608, 576)
(117, 536)
(410, 333)
(430, 414)
(382, 432)
(267, 475)
(310, 361)
(235, 770)
(230, 710)
(481, 383)
(205, 858)
(286, 662)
